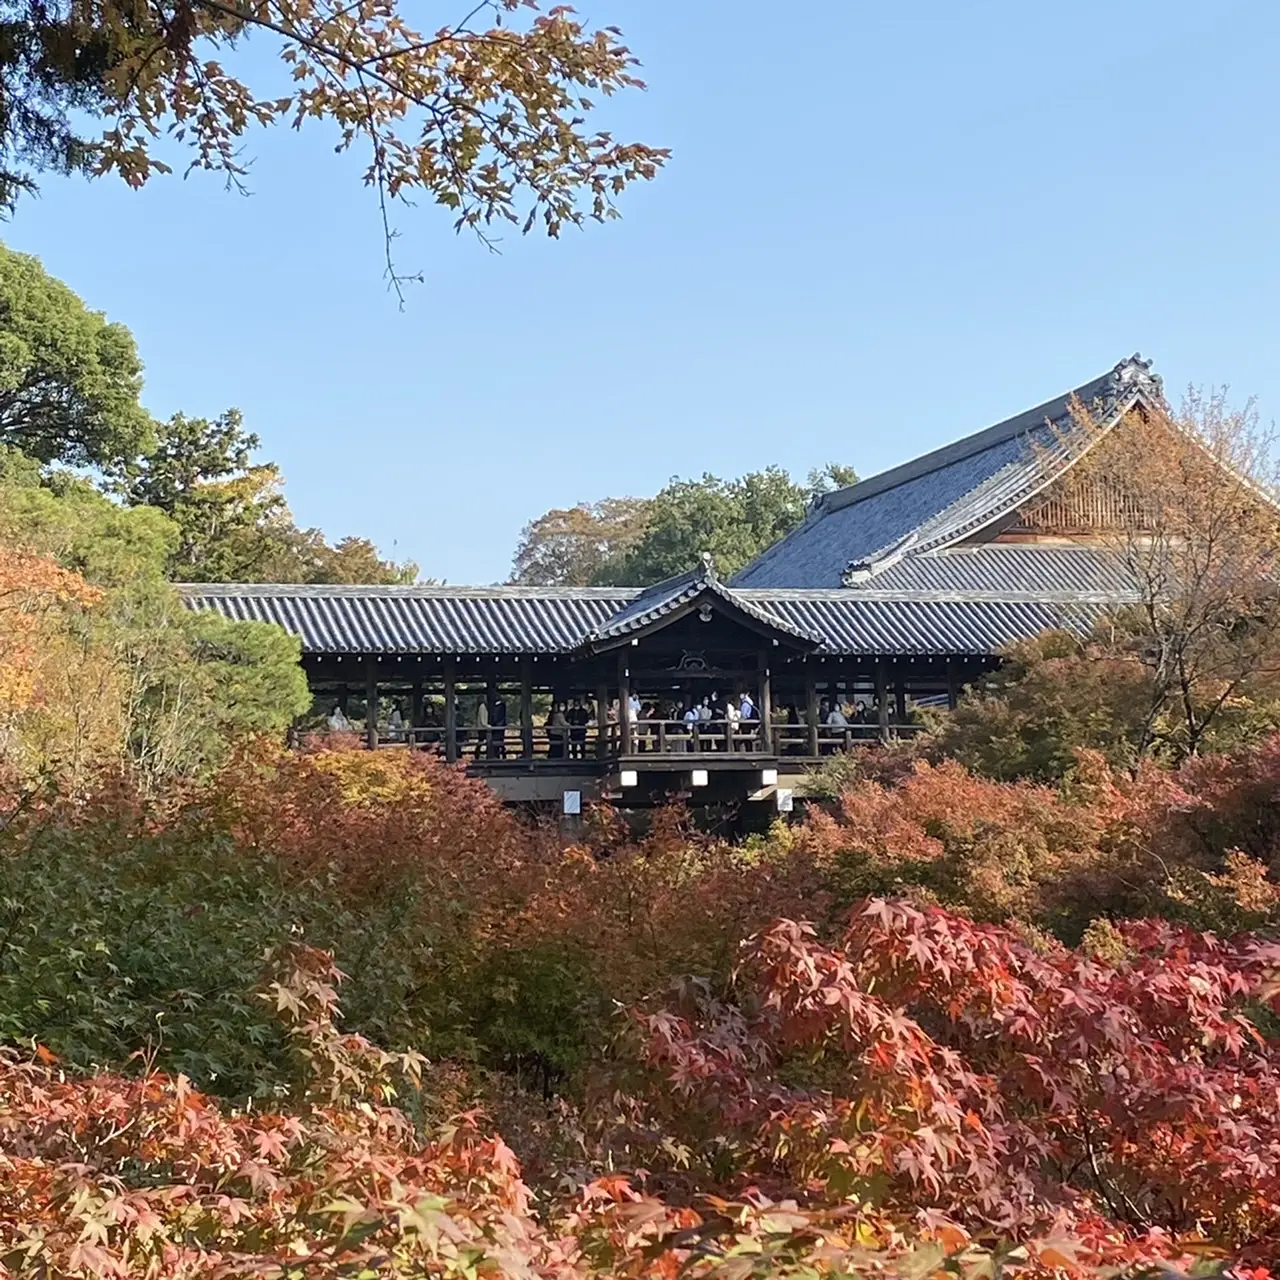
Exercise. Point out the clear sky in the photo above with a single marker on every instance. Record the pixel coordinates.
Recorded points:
(884, 226)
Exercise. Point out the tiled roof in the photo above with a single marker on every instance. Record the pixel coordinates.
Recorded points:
(412, 620)
(944, 495)
(1004, 572)
(878, 568)
(851, 625)
(419, 619)
(659, 601)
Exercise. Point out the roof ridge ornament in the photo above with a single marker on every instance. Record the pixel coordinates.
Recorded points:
(856, 572)
(707, 571)
(1134, 374)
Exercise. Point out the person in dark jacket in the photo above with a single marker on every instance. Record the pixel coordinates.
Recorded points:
(498, 728)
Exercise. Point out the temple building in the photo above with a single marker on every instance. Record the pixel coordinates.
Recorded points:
(889, 597)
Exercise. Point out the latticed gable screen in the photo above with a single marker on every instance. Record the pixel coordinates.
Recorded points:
(1079, 507)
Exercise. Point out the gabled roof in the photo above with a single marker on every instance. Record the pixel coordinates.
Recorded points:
(945, 495)
(888, 566)
(656, 605)
(339, 621)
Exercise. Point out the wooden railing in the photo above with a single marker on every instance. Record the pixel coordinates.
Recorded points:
(496, 743)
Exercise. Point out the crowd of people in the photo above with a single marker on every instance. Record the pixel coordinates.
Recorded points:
(712, 722)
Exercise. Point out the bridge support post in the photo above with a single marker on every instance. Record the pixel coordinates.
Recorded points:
(450, 710)
(882, 698)
(371, 703)
(624, 703)
(766, 705)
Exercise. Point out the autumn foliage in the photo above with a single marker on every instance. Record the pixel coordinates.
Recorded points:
(951, 1072)
(919, 1032)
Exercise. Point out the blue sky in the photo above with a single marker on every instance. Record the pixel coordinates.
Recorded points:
(883, 227)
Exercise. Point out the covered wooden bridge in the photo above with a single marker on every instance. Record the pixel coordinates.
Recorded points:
(891, 596)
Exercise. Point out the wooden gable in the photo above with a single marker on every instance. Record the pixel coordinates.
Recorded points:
(1084, 503)
(1074, 507)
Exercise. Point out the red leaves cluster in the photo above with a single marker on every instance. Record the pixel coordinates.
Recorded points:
(933, 1066)
(114, 1176)
(1197, 844)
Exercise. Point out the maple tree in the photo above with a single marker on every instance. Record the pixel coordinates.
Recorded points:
(1194, 519)
(1050, 698)
(143, 1175)
(1114, 1112)
(692, 1085)
(485, 114)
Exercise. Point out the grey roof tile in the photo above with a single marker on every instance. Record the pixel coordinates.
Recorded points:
(943, 495)
(397, 620)
(418, 619)
(1004, 571)
(918, 594)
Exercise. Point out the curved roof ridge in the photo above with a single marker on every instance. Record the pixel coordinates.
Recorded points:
(1004, 490)
(655, 602)
(855, 528)
(1122, 379)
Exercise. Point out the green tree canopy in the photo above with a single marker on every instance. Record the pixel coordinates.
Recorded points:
(69, 379)
(833, 475)
(194, 682)
(63, 516)
(232, 521)
(734, 520)
(182, 687)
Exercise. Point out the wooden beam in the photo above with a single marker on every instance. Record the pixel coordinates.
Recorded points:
(371, 703)
(450, 710)
(526, 707)
(882, 698)
(766, 705)
(624, 700)
(602, 719)
(811, 709)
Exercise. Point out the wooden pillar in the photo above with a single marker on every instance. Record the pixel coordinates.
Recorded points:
(766, 706)
(371, 703)
(899, 692)
(624, 698)
(417, 712)
(882, 698)
(953, 684)
(602, 719)
(450, 710)
(526, 707)
(811, 710)
(344, 695)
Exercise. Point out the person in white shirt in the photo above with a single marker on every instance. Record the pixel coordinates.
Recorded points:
(836, 718)
(690, 725)
(338, 722)
(730, 723)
